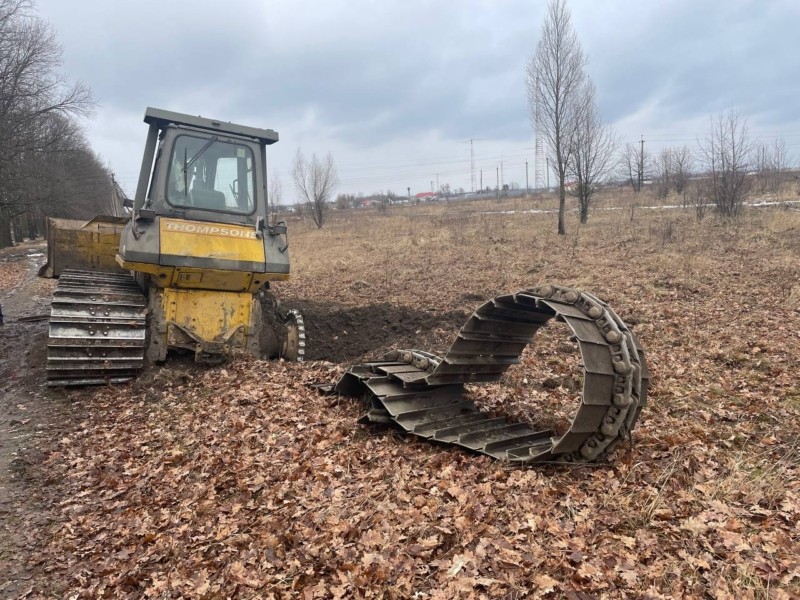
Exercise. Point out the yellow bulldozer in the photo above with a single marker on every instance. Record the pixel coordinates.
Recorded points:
(189, 270)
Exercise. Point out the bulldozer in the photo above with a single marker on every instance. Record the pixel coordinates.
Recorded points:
(188, 270)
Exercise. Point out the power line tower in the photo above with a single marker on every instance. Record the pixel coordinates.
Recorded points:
(538, 153)
(472, 159)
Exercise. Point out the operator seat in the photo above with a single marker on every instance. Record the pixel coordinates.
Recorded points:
(202, 197)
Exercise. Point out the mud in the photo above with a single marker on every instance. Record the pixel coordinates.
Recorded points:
(32, 418)
(343, 334)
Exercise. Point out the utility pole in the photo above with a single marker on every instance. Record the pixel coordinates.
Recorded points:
(502, 179)
(472, 164)
(497, 169)
(431, 186)
(641, 166)
(437, 183)
(409, 192)
(527, 190)
(481, 179)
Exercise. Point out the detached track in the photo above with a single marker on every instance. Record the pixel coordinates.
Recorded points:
(424, 394)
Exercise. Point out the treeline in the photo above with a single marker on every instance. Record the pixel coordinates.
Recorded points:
(725, 168)
(46, 165)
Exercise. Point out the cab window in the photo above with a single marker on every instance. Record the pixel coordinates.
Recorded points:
(209, 174)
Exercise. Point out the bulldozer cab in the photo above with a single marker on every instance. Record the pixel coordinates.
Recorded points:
(200, 211)
(201, 169)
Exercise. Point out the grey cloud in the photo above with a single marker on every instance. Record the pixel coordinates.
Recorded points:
(700, 59)
(373, 75)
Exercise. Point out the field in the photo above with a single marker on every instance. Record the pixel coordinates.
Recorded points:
(242, 481)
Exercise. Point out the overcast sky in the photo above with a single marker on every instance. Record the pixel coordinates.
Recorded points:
(395, 89)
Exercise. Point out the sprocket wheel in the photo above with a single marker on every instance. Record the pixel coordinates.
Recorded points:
(294, 338)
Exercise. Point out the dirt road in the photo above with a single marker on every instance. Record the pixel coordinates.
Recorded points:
(31, 418)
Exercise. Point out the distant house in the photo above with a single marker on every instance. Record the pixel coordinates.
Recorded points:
(425, 196)
(366, 202)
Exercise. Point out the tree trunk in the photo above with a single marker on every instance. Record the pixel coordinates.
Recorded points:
(5, 231)
(31, 222)
(41, 225)
(584, 211)
(562, 203)
(16, 237)
(318, 213)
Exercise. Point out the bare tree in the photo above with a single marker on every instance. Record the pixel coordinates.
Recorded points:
(761, 168)
(778, 165)
(664, 169)
(726, 152)
(635, 165)
(315, 180)
(555, 79)
(275, 197)
(37, 106)
(345, 201)
(696, 194)
(673, 167)
(771, 163)
(593, 147)
(682, 168)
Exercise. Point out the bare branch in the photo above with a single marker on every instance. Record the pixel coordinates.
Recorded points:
(635, 165)
(771, 165)
(726, 153)
(38, 133)
(275, 197)
(315, 180)
(682, 168)
(591, 152)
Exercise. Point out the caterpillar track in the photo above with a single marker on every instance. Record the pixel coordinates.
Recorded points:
(424, 394)
(97, 329)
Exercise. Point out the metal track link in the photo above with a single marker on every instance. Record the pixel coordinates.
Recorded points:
(425, 396)
(97, 329)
